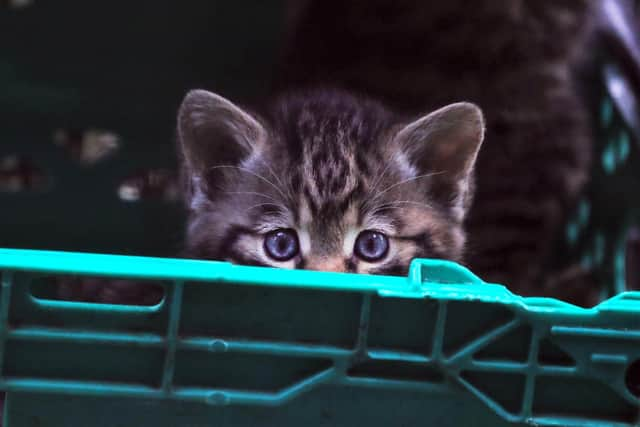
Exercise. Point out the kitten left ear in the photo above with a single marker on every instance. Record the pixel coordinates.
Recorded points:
(214, 136)
(212, 130)
(445, 143)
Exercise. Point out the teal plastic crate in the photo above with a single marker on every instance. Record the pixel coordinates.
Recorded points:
(244, 346)
(251, 346)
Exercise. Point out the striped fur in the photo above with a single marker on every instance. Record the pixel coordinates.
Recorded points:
(328, 165)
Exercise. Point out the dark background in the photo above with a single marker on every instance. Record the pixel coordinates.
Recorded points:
(124, 67)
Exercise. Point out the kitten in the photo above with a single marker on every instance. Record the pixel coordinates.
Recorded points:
(514, 58)
(325, 180)
(322, 180)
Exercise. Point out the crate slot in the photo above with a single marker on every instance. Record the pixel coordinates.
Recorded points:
(98, 290)
(632, 378)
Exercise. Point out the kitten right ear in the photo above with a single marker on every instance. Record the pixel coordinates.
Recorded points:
(444, 145)
(214, 133)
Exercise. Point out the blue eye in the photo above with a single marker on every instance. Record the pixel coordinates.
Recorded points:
(281, 244)
(371, 246)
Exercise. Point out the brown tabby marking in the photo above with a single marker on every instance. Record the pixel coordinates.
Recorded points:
(329, 166)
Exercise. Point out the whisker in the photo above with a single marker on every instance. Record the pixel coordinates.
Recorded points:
(271, 171)
(266, 204)
(379, 178)
(405, 181)
(254, 174)
(255, 193)
(399, 203)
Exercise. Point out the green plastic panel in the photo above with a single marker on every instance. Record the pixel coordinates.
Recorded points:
(597, 229)
(249, 346)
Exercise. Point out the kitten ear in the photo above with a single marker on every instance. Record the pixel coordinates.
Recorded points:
(213, 132)
(445, 143)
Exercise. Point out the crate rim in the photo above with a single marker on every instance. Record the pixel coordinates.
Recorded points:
(434, 279)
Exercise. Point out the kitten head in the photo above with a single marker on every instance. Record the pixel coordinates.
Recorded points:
(326, 181)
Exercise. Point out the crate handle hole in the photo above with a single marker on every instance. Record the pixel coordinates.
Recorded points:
(632, 378)
(98, 290)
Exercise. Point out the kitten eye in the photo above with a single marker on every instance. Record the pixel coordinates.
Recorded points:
(281, 244)
(371, 246)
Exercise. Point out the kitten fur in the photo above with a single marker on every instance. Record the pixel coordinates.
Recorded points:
(516, 59)
(328, 165)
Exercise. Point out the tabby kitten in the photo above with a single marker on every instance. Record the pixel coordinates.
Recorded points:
(325, 180)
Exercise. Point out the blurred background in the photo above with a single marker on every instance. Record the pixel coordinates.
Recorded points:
(88, 97)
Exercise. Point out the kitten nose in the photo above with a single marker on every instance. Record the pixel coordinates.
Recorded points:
(326, 264)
